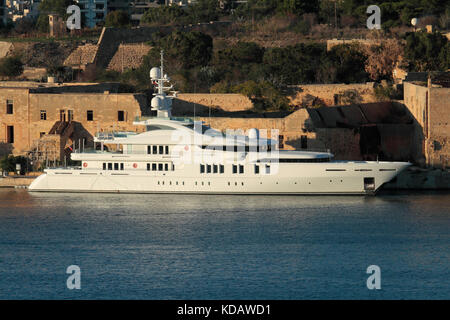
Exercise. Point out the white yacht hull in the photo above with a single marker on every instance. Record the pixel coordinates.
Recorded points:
(318, 178)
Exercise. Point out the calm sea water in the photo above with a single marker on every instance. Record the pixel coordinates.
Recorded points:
(223, 247)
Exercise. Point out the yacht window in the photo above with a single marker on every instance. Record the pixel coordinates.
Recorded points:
(215, 168)
(159, 127)
(153, 166)
(104, 165)
(109, 166)
(234, 168)
(241, 169)
(155, 149)
(160, 167)
(208, 168)
(256, 169)
(222, 168)
(116, 166)
(202, 168)
(166, 166)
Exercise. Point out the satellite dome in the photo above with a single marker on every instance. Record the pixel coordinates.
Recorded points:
(155, 73)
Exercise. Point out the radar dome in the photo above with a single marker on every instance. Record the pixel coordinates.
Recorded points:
(253, 133)
(157, 103)
(155, 73)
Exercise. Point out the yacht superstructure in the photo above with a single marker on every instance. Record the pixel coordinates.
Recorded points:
(182, 156)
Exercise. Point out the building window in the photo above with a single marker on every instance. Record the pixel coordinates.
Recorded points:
(149, 149)
(41, 134)
(167, 149)
(148, 166)
(9, 107)
(166, 167)
(215, 168)
(202, 168)
(234, 168)
(62, 115)
(10, 134)
(153, 166)
(109, 166)
(43, 115)
(208, 168)
(104, 165)
(155, 149)
(90, 115)
(267, 169)
(304, 142)
(241, 169)
(160, 167)
(256, 169)
(116, 166)
(222, 168)
(70, 115)
(161, 149)
(121, 116)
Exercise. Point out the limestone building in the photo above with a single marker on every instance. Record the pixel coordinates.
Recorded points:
(33, 115)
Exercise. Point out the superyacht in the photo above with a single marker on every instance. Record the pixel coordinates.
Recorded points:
(178, 155)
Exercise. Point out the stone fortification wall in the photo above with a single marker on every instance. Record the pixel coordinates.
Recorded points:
(333, 94)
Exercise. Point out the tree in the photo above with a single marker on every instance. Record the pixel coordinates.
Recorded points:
(294, 64)
(51, 6)
(191, 49)
(239, 54)
(426, 51)
(382, 59)
(298, 7)
(11, 67)
(204, 11)
(264, 95)
(117, 19)
(163, 15)
(349, 61)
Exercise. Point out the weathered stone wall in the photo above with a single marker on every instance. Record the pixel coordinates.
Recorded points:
(430, 108)
(128, 56)
(333, 94)
(185, 102)
(82, 55)
(5, 48)
(363, 42)
(439, 141)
